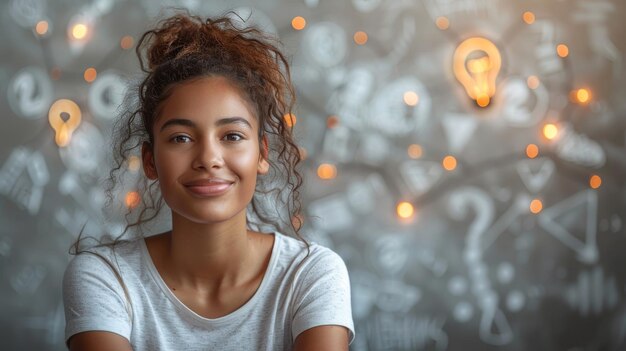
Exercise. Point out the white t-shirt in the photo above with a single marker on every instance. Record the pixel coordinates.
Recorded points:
(290, 299)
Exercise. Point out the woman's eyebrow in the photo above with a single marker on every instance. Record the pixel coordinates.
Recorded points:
(233, 120)
(179, 122)
(219, 122)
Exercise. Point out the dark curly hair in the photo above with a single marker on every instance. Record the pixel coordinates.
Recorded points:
(186, 47)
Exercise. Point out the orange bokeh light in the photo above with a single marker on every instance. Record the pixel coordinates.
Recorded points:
(127, 42)
(298, 23)
(90, 74)
(442, 22)
(327, 171)
(449, 163)
(405, 209)
(415, 151)
(595, 181)
(532, 150)
(528, 17)
(132, 199)
(79, 31)
(550, 131)
(41, 27)
(360, 37)
(290, 119)
(562, 50)
(533, 82)
(411, 98)
(536, 206)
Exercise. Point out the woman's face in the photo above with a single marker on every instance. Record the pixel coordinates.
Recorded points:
(206, 152)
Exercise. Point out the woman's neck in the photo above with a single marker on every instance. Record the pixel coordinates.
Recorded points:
(211, 257)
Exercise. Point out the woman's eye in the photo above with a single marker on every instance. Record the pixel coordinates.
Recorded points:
(234, 137)
(181, 139)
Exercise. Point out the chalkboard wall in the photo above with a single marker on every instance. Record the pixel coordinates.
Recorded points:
(463, 227)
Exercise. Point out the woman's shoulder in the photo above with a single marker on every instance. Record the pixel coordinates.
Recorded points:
(106, 253)
(315, 254)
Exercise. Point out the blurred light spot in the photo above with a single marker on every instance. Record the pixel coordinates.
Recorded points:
(449, 163)
(332, 121)
(290, 119)
(79, 31)
(298, 23)
(132, 199)
(405, 209)
(134, 163)
(360, 37)
(415, 151)
(127, 42)
(483, 100)
(90, 74)
(532, 151)
(595, 181)
(42, 27)
(411, 98)
(533, 82)
(581, 96)
(536, 206)
(327, 171)
(550, 131)
(529, 17)
(442, 22)
(562, 50)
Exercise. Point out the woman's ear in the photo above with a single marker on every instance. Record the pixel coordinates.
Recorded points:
(264, 164)
(147, 156)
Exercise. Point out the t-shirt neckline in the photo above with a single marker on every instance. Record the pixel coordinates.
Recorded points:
(187, 312)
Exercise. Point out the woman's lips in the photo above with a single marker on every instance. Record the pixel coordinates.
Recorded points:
(209, 189)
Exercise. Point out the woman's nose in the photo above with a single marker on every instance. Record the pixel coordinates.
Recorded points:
(208, 155)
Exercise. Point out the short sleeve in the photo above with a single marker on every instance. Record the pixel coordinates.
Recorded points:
(93, 297)
(322, 295)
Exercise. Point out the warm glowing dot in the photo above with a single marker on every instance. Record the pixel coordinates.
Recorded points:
(90, 74)
(360, 37)
(581, 96)
(442, 22)
(415, 151)
(42, 27)
(127, 42)
(533, 82)
(483, 100)
(411, 98)
(134, 163)
(290, 119)
(298, 23)
(449, 163)
(532, 150)
(528, 17)
(536, 206)
(332, 121)
(550, 131)
(79, 31)
(562, 50)
(327, 171)
(132, 199)
(595, 181)
(55, 73)
(405, 209)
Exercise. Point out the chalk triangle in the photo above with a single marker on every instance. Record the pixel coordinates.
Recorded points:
(459, 128)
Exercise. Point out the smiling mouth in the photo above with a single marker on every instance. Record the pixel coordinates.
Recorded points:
(205, 190)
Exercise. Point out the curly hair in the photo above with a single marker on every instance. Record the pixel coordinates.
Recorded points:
(183, 48)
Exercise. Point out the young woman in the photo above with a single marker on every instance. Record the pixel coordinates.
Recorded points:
(210, 123)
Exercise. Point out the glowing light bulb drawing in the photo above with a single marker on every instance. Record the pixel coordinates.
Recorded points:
(476, 65)
(64, 127)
